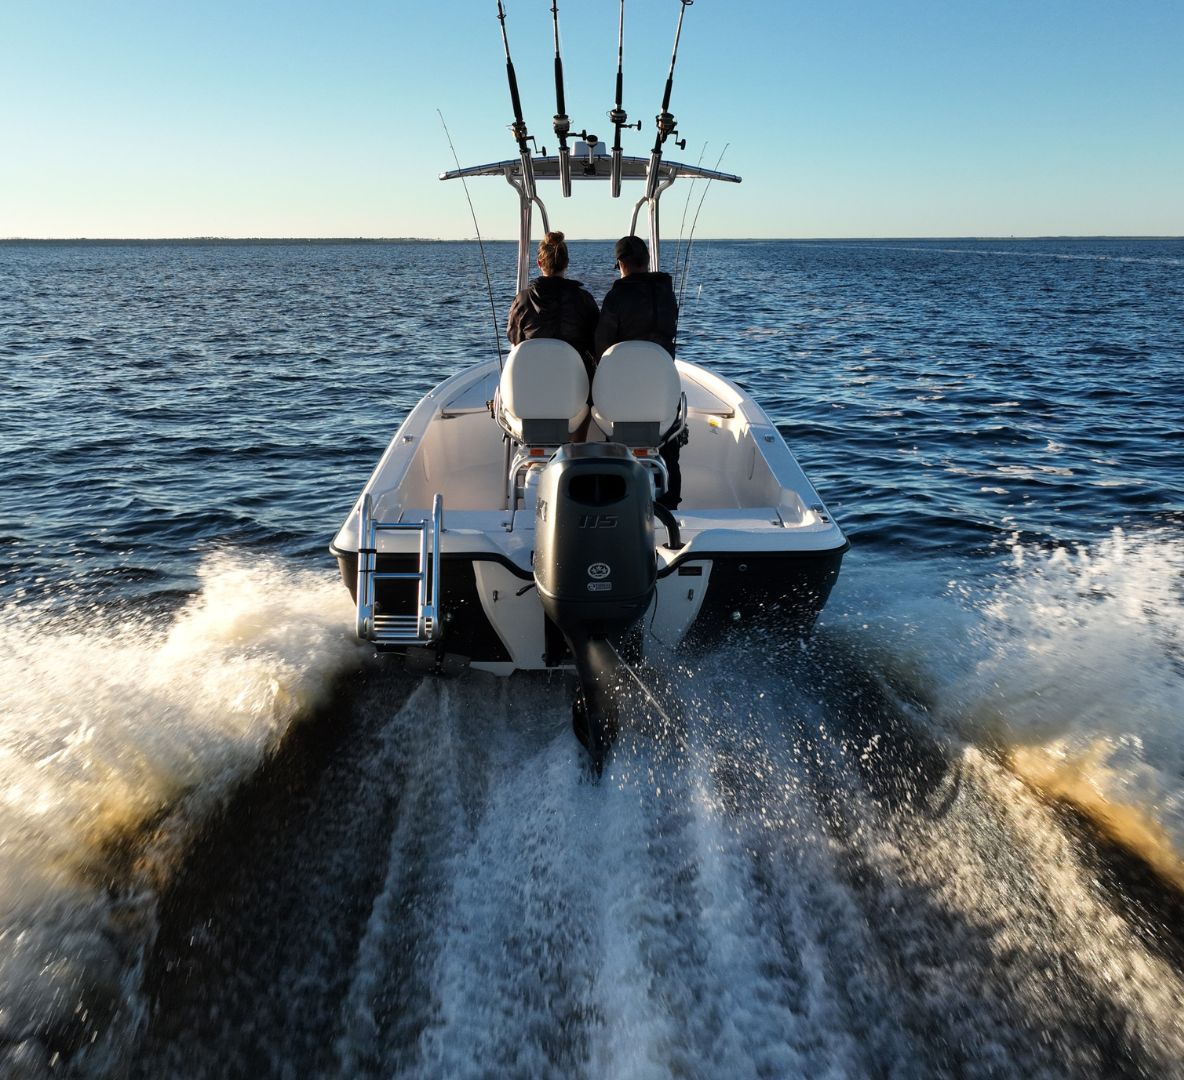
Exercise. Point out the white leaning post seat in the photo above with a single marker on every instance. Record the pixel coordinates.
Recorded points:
(543, 392)
(636, 393)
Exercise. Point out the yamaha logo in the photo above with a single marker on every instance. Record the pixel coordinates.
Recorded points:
(599, 570)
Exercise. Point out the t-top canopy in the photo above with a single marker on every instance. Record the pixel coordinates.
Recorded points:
(587, 164)
(589, 161)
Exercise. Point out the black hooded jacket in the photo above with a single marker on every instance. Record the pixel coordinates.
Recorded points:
(555, 307)
(640, 307)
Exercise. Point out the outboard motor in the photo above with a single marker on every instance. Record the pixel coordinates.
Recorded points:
(595, 569)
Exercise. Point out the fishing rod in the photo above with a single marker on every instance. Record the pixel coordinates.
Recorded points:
(525, 187)
(562, 121)
(618, 116)
(655, 704)
(690, 238)
(518, 128)
(497, 337)
(682, 226)
(665, 121)
(654, 183)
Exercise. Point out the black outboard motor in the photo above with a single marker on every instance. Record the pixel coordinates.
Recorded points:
(595, 569)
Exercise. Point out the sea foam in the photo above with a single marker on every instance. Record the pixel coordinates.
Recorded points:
(1068, 663)
(119, 735)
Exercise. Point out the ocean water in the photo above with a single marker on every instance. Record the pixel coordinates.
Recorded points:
(944, 837)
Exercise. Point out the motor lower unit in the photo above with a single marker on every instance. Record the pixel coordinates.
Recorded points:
(595, 568)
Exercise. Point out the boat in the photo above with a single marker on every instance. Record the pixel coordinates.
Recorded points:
(485, 537)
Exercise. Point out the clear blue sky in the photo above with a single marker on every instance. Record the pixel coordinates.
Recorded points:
(901, 118)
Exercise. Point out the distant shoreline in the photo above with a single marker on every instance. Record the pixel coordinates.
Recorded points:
(260, 241)
(214, 241)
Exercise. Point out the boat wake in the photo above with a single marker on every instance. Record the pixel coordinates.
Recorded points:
(1068, 666)
(816, 860)
(120, 737)
(807, 862)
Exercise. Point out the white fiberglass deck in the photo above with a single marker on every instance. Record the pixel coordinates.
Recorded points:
(742, 489)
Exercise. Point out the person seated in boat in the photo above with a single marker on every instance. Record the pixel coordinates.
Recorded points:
(555, 306)
(641, 306)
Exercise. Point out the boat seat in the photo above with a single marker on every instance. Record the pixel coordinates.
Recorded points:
(543, 392)
(637, 394)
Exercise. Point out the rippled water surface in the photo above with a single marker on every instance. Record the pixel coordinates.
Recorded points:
(944, 838)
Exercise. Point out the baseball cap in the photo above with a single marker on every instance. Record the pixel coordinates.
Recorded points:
(631, 249)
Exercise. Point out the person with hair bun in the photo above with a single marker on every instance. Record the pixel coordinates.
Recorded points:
(554, 306)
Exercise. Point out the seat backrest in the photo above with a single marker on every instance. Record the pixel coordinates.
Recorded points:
(636, 393)
(543, 392)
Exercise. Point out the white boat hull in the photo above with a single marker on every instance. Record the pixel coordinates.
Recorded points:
(757, 541)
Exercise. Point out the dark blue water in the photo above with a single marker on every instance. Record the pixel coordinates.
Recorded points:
(161, 399)
(998, 426)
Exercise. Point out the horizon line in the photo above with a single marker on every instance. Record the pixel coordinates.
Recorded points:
(578, 239)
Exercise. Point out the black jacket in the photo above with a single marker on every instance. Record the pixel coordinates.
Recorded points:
(555, 307)
(640, 307)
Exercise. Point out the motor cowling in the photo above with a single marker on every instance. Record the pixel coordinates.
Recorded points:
(594, 562)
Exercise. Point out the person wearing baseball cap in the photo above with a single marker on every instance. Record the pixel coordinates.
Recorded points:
(641, 306)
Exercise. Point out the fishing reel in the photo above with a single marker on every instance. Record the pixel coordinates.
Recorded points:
(618, 118)
(518, 130)
(666, 127)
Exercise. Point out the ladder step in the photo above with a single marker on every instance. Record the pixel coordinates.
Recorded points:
(418, 629)
(398, 629)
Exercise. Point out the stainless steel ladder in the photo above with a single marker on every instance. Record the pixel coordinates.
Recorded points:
(423, 627)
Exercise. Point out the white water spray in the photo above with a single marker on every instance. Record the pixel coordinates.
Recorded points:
(118, 736)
